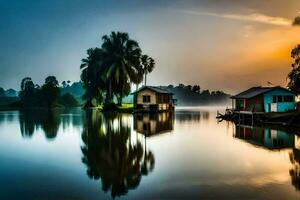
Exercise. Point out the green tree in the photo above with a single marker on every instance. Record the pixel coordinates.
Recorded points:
(50, 91)
(93, 83)
(121, 61)
(196, 88)
(147, 64)
(27, 93)
(294, 75)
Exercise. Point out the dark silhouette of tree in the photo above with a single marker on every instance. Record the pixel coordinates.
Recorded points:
(181, 85)
(196, 88)
(294, 75)
(148, 65)
(110, 155)
(65, 84)
(296, 21)
(50, 91)
(170, 86)
(28, 92)
(32, 95)
(92, 77)
(121, 92)
(121, 61)
(2, 92)
(295, 171)
(109, 71)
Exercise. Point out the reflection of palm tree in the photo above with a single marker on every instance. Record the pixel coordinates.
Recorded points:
(148, 161)
(295, 171)
(31, 120)
(109, 155)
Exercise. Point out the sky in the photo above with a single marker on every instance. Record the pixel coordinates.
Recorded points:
(218, 44)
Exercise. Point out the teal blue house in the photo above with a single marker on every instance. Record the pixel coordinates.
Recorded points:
(265, 99)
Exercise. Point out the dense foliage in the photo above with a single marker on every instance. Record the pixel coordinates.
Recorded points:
(32, 95)
(294, 75)
(109, 71)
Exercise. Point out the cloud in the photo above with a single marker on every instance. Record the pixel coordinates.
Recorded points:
(296, 21)
(255, 17)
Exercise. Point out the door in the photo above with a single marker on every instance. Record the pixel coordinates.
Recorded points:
(273, 107)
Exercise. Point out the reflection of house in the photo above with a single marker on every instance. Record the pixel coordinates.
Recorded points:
(149, 98)
(152, 124)
(266, 137)
(265, 99)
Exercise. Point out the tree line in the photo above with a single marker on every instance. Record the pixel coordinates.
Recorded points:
(46, 96)
(193, 95)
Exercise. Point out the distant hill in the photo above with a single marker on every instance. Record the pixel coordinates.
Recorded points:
(8, 97)
(75, 89)
(11, 93)
(8, 93)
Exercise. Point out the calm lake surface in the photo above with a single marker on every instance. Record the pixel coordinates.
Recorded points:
(73, 154)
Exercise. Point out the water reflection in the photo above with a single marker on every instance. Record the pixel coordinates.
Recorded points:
(153, 124)
(295, 160)
(99, 156)
(274, 139)
(48, 120)
(34, 119)
(265, 137)
(191, 115)
(112, 155)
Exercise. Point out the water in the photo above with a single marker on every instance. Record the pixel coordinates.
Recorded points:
(72, 154)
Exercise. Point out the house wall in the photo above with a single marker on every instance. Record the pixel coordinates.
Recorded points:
(281, 106)
(155, 99)
(255, 104)
(152, 94)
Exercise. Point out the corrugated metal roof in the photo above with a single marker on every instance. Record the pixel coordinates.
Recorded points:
(255, 91)
(155, 89)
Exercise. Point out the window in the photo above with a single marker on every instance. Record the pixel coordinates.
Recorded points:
(278, 99)
(288, 99)
(146, 99)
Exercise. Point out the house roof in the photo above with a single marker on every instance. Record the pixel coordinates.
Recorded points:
(153, 88)
(255, 91)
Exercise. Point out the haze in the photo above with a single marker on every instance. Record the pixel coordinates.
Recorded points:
(228, 45)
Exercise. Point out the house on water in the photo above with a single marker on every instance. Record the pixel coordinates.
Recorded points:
(153, 99)
(265, 100)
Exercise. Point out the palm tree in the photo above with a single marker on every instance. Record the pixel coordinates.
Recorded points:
(148, 65)
(92, 82)
(121, 61)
